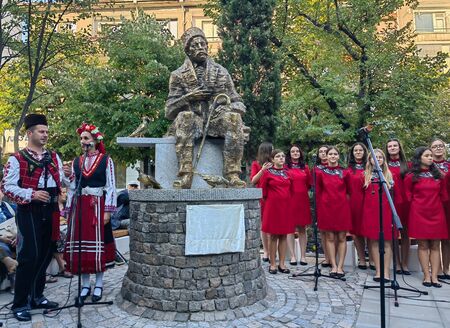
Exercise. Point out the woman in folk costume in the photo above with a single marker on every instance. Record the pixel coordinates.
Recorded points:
(95, 169)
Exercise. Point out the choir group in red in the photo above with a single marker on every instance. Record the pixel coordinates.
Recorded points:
(347, 202)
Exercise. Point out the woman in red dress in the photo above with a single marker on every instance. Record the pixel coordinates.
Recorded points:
(320, 164)
(426, 191)
(334, 216)
(261, 164)
(97, 201)
(437, 147)
(277, 217)
(301, 183)
(357, 159)
(399, 166)
(371, 213)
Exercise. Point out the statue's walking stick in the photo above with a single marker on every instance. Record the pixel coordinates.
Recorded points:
(205, 129)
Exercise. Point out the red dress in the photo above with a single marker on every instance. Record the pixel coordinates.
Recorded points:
(426, 215)
(277, 215)
(333, 208)
(400, 203)
(371, 212)
(301, 182)
(444, 166)
(253, 171)
(356, 181)
(98, 195)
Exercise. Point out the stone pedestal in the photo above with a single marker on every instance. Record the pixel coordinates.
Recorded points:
(162, 278)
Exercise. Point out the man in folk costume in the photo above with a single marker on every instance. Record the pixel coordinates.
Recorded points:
(199, 89)
(94, 171)
(32, 179)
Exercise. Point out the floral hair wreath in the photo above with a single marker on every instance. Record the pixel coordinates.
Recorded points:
(96, 134)
(92, 129)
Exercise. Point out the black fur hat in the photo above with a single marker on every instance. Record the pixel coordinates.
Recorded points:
(34, 119)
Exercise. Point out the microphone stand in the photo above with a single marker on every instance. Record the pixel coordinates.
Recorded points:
(382, 187)
(317, 271)
(79, 303)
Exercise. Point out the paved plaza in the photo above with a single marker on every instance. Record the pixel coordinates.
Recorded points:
(291, 302)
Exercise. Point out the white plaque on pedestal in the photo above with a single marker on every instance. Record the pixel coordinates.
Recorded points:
(214, 229)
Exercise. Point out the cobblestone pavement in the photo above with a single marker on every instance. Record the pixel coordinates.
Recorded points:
(291, 302)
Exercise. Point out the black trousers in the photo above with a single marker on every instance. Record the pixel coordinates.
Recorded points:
(34, 252)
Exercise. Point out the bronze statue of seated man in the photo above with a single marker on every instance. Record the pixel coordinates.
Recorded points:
(203, 101)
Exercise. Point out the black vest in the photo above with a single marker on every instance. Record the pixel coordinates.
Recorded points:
(97, 178)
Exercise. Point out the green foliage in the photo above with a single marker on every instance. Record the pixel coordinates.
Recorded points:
(245, 27)
(347, 65)
(114, 95)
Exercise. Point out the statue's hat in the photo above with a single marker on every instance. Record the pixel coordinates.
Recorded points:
(190, 33)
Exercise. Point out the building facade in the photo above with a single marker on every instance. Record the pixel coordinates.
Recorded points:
(176, 15)
(431, 23)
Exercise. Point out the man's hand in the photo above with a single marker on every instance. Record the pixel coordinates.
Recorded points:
(106, 217)
(41, 195)
(199, 94)
(67, 170)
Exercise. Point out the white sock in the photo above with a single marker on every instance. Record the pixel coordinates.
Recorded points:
(98, 283)
(85, 278)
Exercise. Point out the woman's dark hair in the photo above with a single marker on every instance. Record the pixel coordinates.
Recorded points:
(318, 160)
(264, 153)
(351, 157)
(301, 160)
(402, 158)
(417, 161)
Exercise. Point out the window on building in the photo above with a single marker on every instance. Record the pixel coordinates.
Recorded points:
(210, 30)
(67, 27)
(171, 25)
(430, 22)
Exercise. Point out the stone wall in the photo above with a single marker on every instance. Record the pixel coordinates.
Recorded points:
(162, 278)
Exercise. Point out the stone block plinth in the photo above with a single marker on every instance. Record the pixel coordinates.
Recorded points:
(162, 278)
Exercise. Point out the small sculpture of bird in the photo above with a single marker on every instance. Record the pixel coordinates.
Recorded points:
(142, 128)
(214, 180)
(148, 180)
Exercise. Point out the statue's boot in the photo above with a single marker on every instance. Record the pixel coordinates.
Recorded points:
(232, 170)
(184, 181)
(235, 181)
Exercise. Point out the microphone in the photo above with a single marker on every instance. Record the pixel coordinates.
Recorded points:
(88, 145)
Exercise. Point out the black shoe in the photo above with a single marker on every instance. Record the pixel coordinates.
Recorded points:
(399, 271)
(23, 315)
(362, 266)
(333, 274)
(293, 263)
(96, 298)
(372, 267)
(444, 276)
(340, 275)
(427, 284)
(325, 265)
(303, 263)
(406, 272)
(265, 259)
(285, 270)
(436, 285)
(272, 271)
(45, 304)
(83, 298)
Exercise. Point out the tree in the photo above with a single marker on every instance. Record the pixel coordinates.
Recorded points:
(115, 90)
(245, 27)
(348, 65)
(46, 43)
(10, 31)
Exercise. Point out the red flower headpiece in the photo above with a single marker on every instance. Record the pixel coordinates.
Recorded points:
(96, 134)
